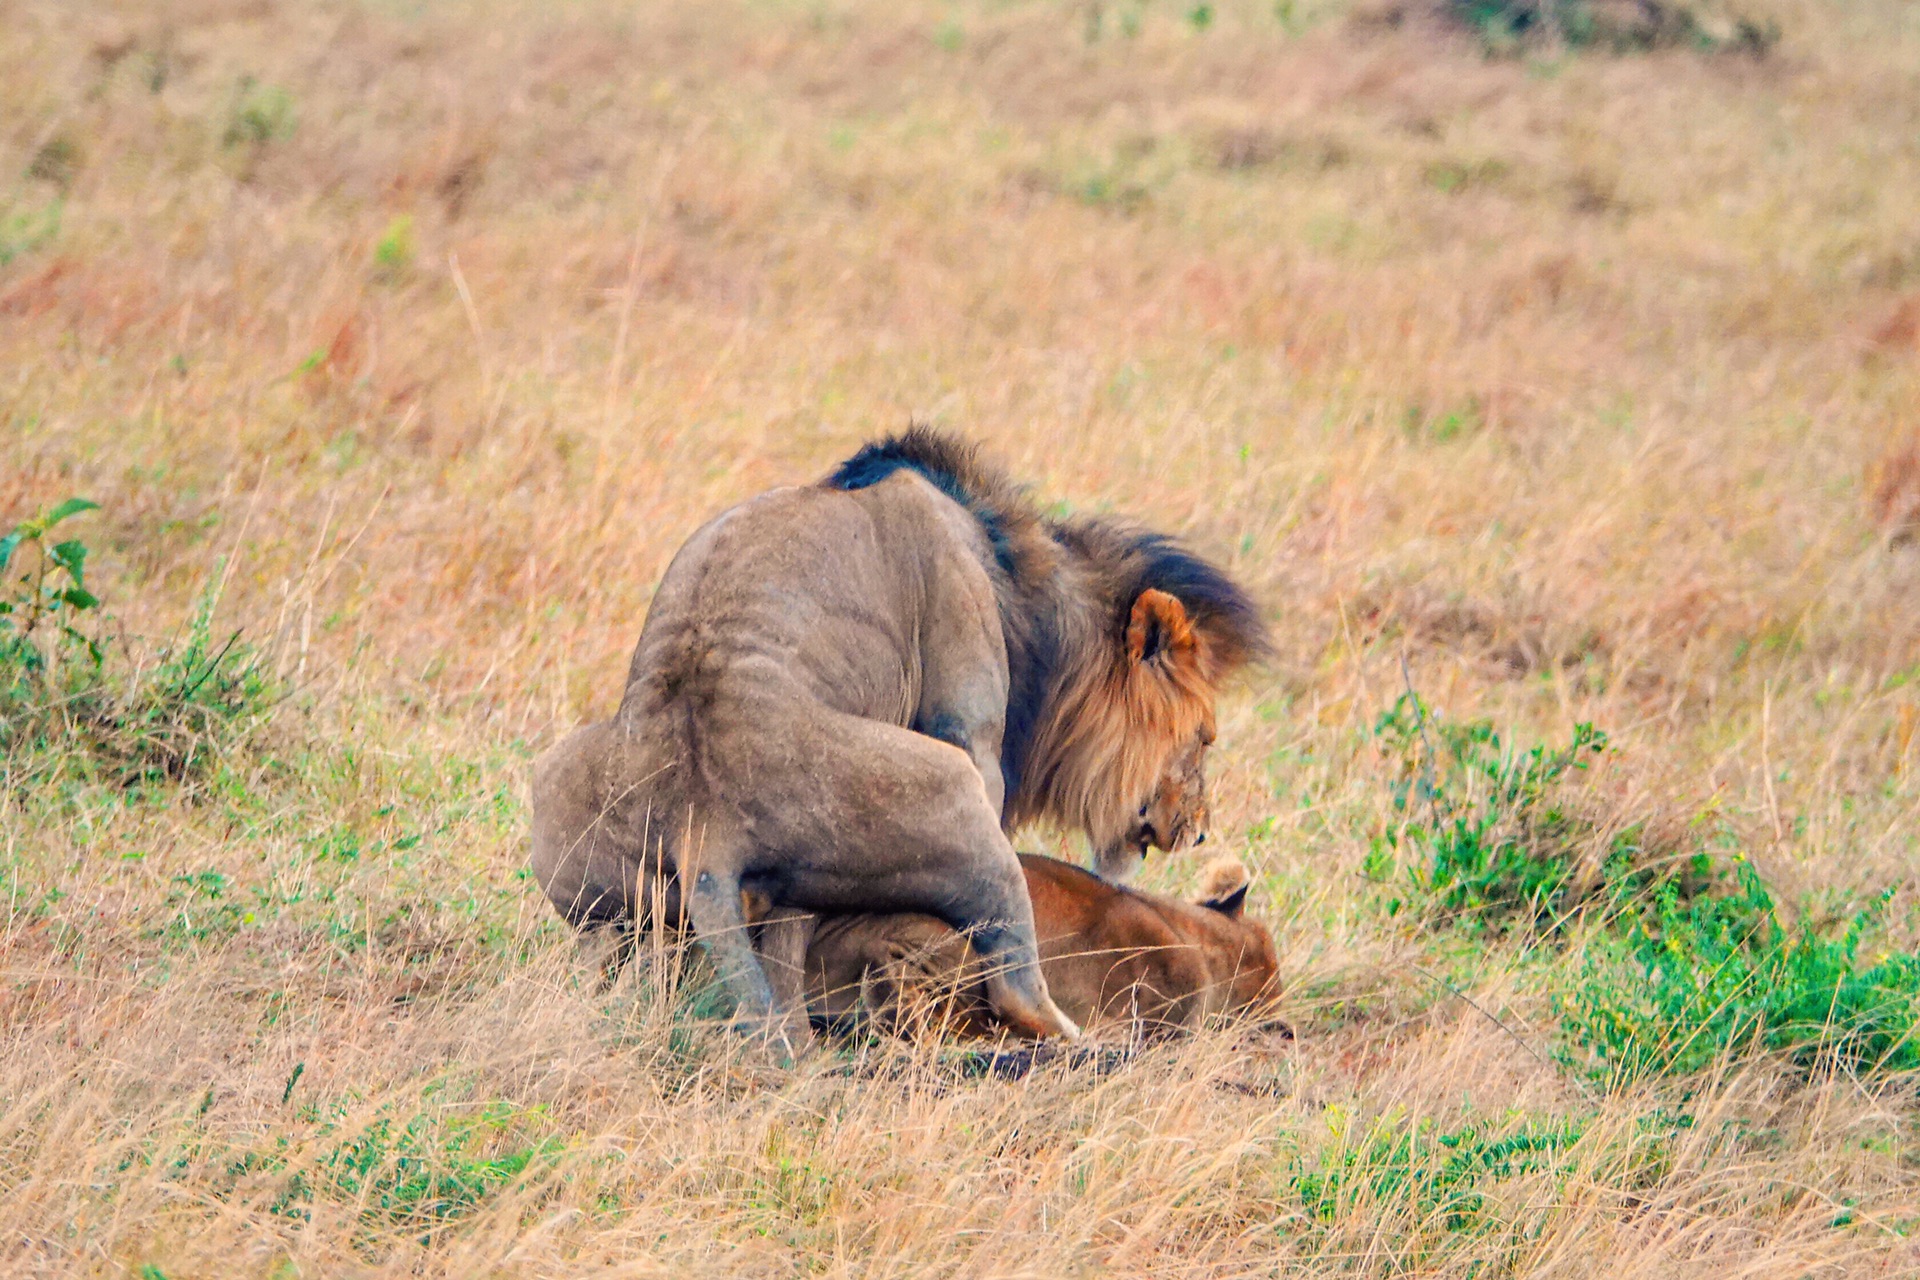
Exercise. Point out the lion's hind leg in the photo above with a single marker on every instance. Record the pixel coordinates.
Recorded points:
(885, 819)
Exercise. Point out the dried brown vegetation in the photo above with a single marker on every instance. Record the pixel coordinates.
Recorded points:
(1578, 384)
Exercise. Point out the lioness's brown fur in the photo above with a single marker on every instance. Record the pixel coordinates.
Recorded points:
(845, 693)
(1110, 954)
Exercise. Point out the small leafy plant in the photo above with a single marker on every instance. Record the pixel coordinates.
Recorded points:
(74, 702)
(51, 592)
(1484, 839)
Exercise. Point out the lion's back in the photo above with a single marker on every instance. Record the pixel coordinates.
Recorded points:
(822, 591)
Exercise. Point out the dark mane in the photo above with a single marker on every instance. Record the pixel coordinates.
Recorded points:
(1019, 538)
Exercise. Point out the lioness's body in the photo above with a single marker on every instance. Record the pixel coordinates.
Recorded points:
(844, 691)
(1110, 954)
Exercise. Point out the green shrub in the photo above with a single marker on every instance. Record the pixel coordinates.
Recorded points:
(1673, 987)
(1485, 839)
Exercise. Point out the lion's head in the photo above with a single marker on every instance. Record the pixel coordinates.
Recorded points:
(1173, 817)
(1122, 756)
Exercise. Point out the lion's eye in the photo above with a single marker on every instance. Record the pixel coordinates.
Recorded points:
(1144, 808)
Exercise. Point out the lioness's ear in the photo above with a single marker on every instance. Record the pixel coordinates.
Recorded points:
(1224, 883)
(1230, 906)
(1159, 628)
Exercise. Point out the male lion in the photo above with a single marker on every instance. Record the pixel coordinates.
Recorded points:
(1110, 954)
(845, 694)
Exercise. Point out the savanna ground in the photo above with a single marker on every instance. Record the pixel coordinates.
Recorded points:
(1556, 385)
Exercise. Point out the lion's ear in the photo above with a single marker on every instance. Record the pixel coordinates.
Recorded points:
(1159, 629)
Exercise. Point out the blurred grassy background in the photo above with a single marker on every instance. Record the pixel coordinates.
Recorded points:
(1558, 383)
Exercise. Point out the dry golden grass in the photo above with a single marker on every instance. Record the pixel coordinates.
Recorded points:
(1586, 387)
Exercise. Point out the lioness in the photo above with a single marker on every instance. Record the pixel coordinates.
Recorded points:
(846, 693)
(1110, 954)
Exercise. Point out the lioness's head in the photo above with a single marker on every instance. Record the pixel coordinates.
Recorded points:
(1256, 971)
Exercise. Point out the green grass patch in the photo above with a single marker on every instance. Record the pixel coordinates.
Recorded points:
(24, 231)
(1416, 1169)
(416, 1171)
(1479, 1188)
(258, 114)
(394, 252)
(1675, 987)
